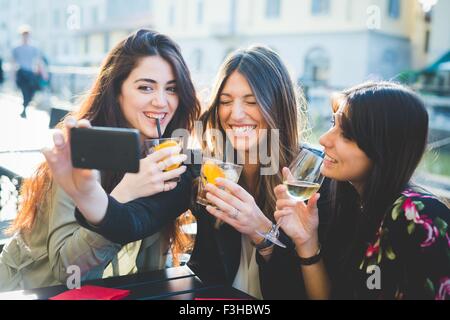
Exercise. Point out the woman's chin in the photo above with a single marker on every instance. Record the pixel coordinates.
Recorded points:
(332, 174)
(325, 172)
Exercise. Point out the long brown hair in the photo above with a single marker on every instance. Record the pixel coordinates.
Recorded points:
(281, 105)
(101, 108)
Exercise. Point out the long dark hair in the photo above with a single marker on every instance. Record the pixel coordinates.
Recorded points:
(281, 105)
(101, 107)
(389, 123)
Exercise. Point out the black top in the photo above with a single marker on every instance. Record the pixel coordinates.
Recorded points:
(135, 220)
(216, 254)
(216, 258)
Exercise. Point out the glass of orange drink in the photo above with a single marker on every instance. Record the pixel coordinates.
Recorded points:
(152, 145)
(212, 169)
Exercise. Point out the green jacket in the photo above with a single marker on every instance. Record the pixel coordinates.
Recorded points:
(57, 241)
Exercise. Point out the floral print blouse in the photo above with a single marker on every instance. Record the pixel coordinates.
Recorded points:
(412, 249)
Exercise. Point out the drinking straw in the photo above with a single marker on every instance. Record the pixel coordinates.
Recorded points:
(158, 126)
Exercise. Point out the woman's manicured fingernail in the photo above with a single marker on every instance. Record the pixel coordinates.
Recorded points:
(58, 139)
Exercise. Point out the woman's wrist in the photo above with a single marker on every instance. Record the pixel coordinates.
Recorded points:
(265, 226)
(309, 248)
(120, 195)
(93, 205)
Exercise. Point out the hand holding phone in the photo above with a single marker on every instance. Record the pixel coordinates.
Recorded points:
(82, 185)
(104, 148)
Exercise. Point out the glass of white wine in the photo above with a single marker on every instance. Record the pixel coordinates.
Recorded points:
(302, 183)
(305, 178)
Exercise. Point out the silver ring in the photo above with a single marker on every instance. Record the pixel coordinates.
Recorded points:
(235, 213)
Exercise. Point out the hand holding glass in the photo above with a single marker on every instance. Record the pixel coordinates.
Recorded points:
(152, 145)
(303, 182)
(213, 169)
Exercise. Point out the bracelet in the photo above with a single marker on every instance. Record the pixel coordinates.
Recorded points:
(311, 260)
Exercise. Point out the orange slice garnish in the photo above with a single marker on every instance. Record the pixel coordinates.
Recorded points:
(211, 172)
(167, 144)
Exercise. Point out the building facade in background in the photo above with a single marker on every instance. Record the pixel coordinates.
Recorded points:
(335, 43)
(439, 34)
(332, 43)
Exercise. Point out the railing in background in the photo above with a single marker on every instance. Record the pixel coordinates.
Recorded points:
(439, 90)
(9, 199)
(67, 82)
(434, 170)
(9, 191)
(70, 82)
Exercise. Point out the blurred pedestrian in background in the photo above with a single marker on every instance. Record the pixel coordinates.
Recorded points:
(2, 77)
(27, 59)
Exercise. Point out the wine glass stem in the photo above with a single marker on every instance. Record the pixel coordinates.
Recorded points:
(278, 225)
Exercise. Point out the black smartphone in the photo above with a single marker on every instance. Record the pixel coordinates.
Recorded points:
(104, 148)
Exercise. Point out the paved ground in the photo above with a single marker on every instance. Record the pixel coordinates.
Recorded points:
(17, 133)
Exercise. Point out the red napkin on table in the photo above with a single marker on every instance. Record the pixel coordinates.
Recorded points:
(92, 293)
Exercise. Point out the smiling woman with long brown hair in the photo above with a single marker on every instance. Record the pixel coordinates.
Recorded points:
(253, 99)
(143, 77)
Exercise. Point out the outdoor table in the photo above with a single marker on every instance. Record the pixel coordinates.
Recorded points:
(178, 283)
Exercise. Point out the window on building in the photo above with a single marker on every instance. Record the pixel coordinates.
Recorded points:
(56, 18)
(197, 58)
(82, 14)
(394, 8)
(320, 7)
(172, 15)
(123, 9)
(427, 42)
(388, 65)
(200, 8)
(429, 16)
(55, 49)
(273, 8)
(349, 13)
(86, 45)
(390, 56)
(45, 20)
(95, 18)
(317, 67)
(106, 41)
